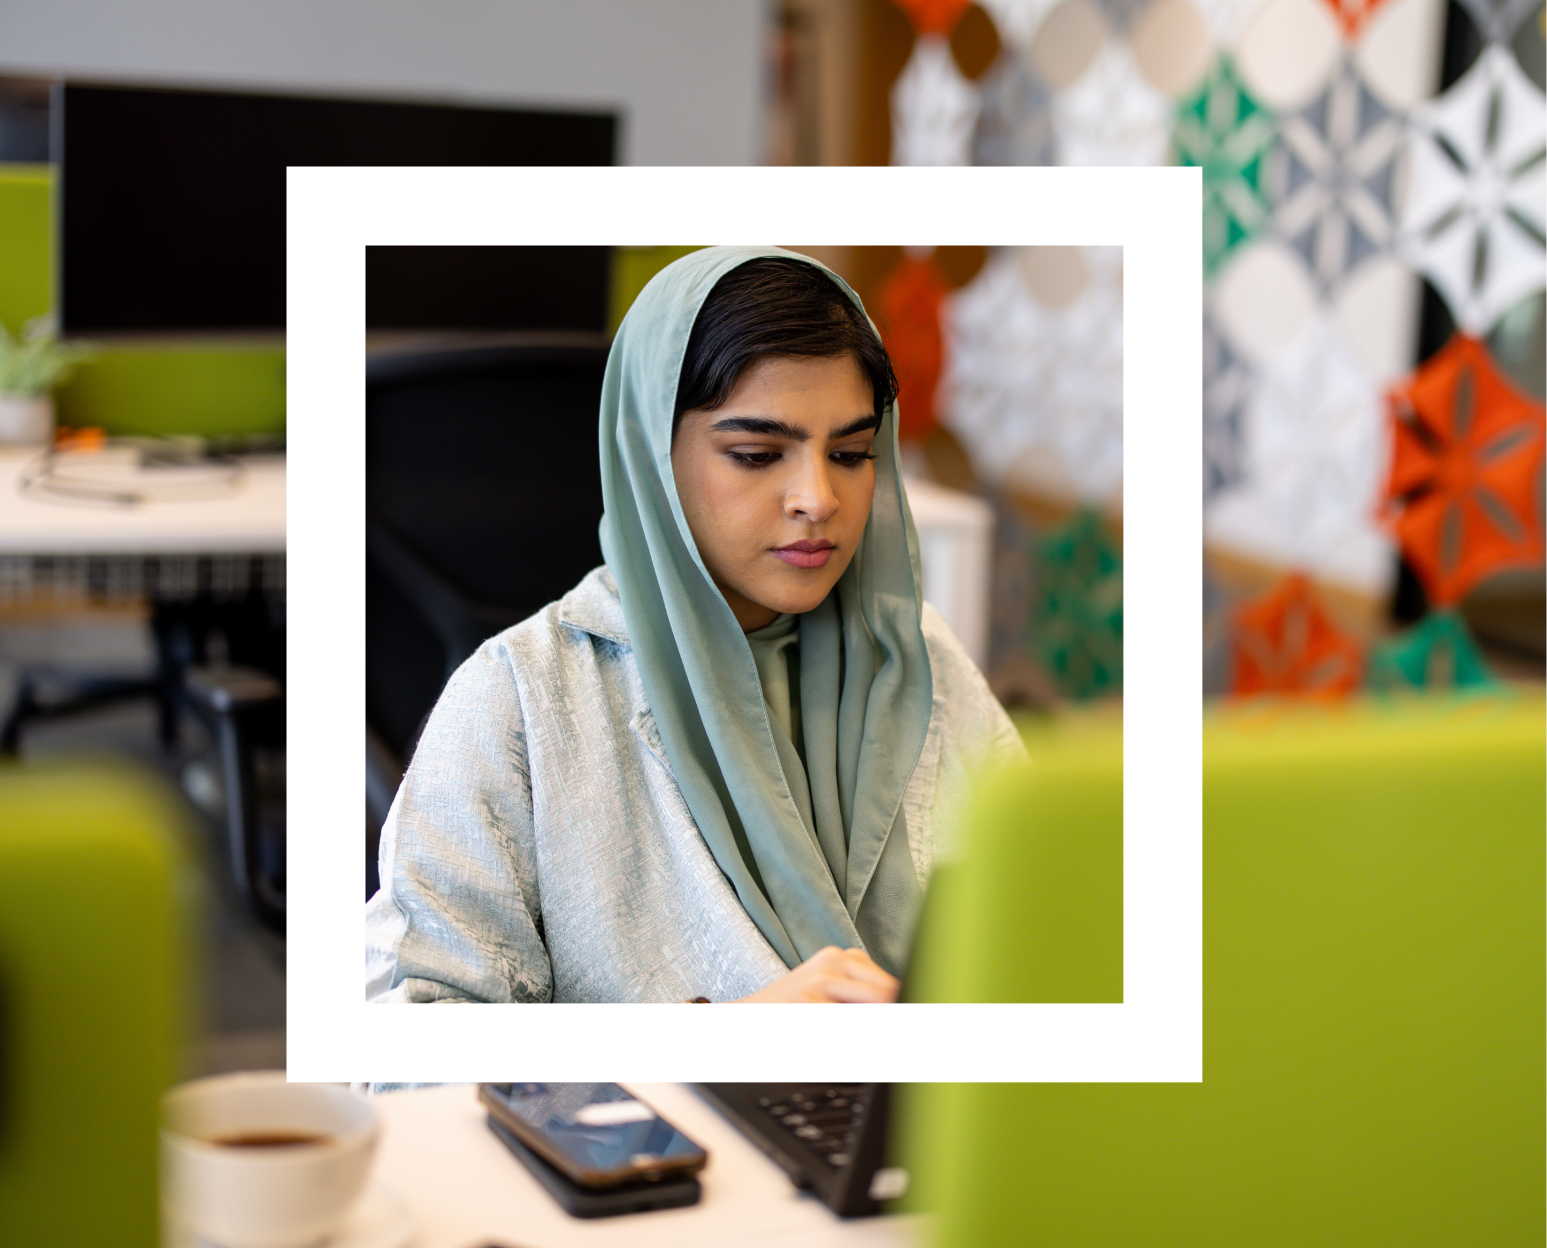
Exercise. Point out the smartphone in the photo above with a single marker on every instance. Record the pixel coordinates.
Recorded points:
(595, 1134)
(671, 1192)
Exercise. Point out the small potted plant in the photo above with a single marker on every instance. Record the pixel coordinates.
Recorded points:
(30, 367)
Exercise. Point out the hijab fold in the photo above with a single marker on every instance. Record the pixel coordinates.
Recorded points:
(816, 850)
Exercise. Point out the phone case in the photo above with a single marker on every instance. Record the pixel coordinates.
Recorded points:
(599, 1202)
(493, 1097)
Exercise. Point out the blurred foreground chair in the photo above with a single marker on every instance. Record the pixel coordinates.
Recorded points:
(483, 496)
(92, 1001)
(1035, 911)
(1373, 1008)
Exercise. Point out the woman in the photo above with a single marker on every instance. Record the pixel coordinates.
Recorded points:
(722, 766)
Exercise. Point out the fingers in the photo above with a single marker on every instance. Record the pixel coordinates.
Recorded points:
(860, 965)
(847, 975)
(855, 991)
(843, 976)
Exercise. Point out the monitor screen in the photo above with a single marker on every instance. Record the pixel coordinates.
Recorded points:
(172, 202)
(487, 289)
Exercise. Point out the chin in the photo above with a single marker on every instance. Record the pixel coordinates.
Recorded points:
(800, 598)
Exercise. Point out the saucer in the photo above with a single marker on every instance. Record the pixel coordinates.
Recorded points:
(377, 1220)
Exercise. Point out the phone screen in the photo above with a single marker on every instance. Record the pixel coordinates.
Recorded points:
(599, 1128)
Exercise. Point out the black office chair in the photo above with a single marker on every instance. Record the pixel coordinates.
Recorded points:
(482, 501)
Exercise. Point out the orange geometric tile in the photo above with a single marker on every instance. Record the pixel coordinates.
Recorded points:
(1352, 14)
(1467, 451)
(1284, 643)
(909, 307)
(934, 17)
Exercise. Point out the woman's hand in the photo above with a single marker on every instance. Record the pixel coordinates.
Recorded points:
(832, 974)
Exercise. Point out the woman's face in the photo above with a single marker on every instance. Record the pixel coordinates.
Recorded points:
(776, 482)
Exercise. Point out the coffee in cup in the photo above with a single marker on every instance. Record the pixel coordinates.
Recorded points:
(252, 1161)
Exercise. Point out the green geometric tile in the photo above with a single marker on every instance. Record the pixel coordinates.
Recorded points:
(1221, 129)
(1077, 618)
(1438, 653)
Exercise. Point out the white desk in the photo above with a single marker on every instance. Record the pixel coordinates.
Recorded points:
(465, 1190)
(250, 521)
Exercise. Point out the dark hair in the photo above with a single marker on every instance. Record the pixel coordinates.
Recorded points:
(774, 306)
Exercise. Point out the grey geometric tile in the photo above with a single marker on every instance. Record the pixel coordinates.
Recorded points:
(1015, 126)
(1226, 384)
(1332, 178)
(1497, 20)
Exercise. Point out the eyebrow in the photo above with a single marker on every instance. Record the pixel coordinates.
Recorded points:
(783, 428)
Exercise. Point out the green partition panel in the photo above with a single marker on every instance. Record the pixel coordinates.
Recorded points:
(1373, 1024)
(167, 388)
(632, 269)
(26, 267)
(92, 996)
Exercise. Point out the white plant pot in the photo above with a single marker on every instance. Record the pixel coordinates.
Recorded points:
(26, 419)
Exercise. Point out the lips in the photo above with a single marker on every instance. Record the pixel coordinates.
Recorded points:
(806, 554)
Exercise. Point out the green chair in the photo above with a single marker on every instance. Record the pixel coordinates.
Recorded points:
(1373, 1030)
(92, 987)
(1043, 875)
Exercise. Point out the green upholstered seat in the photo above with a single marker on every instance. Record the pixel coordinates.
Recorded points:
(91, 1002)
(1373, 1027)
(1043, 875)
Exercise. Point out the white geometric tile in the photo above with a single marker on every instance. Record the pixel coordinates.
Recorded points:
(1018, 21)
(1474, 212)
(1315, 457)
(1172, 46)
(1314, 443)
(1400, 49)
(1226, 19)
(934, 108)
(1287, 52)
(1027, 382)
(1378, 306)
(1263, 300)
(1111, 116)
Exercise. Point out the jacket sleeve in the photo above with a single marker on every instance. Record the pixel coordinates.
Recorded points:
(972, 734)
(459, 916)
(981, 732)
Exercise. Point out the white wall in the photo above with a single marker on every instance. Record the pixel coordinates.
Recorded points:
(685, 75)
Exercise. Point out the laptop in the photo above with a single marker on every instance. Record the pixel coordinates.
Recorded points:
(1068, 946)
(829, 1138)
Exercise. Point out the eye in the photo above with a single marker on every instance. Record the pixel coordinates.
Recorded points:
(851, 459)
(753, 459)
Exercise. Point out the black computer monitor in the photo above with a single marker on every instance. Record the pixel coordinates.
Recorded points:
(171, 205)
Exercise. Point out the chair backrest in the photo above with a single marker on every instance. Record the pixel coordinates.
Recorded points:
(92, 996)
(1372, 1017)
(481, 465)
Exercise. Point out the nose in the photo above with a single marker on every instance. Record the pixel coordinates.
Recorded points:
(810, 495)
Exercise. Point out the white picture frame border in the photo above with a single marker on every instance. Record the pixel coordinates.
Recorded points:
(1154, 214)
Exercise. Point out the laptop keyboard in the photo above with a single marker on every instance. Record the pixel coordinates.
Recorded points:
(825, 1119)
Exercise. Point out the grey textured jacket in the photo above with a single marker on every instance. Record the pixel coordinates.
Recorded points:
(540, 850)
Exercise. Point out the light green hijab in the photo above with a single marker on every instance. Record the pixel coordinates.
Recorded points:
(818, 853)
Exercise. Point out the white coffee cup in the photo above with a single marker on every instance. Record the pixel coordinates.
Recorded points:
(234, 1173)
